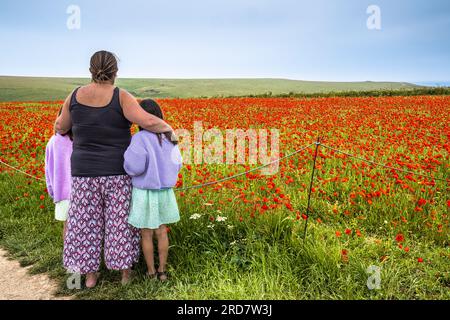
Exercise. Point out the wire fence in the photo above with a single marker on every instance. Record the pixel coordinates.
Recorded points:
(246, 172)
(383, 165)
(317, 143)
(198, 185)
(21, 171)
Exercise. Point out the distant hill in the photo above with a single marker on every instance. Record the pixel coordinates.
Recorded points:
(35, 88)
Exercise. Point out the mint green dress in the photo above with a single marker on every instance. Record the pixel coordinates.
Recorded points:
(152, 208)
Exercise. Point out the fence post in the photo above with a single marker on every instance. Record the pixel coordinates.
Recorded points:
(317, 143)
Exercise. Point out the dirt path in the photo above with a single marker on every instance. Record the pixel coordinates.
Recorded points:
(17, 284)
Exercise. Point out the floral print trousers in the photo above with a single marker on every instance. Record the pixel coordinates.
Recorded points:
(98, 213)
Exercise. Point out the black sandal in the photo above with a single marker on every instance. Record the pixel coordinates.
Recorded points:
(162, 274)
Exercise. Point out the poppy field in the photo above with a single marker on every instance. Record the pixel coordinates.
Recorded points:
(244, 238)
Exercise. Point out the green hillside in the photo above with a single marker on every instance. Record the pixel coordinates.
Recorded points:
(30, 88)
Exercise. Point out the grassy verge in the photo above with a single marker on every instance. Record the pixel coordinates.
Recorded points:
(263, 258)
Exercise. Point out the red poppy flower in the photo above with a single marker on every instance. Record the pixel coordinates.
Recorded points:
(422, 202)
(419, 260)
(338, 234)
(399, 237)
(344, 255)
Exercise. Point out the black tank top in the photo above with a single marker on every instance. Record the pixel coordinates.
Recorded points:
(100, 138)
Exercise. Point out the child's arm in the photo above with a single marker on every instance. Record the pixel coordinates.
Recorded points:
(48, 171)
(135, 159)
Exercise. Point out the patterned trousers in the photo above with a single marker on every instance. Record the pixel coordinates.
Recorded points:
(98, 213)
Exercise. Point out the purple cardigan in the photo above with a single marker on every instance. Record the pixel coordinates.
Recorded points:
(57, 167)
(152, 166)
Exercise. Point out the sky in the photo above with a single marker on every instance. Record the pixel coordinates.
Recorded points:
(325, 40)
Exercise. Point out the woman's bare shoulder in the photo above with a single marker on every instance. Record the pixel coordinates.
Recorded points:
(124, 93)
(82, 89)
(125, 98)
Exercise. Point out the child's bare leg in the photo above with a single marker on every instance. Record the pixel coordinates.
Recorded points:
(163, 249)
(126, 276)
(147, 248)
(64, 229)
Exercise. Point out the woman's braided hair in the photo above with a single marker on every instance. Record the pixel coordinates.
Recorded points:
(103, 67)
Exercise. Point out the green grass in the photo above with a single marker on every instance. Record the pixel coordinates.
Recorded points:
(40, 89)
(263, 258)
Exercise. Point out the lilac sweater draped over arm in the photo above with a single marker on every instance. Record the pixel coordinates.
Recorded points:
(57, 167)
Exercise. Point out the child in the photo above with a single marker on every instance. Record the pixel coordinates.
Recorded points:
(153, 161)
(57, 173)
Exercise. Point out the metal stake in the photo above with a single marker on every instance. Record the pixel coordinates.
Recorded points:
(317, 143)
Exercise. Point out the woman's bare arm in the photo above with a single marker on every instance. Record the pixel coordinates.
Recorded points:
(135, 114)
(63, 123)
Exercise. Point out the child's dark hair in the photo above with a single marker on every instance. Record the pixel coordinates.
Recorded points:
(68, 133)
(152, 107)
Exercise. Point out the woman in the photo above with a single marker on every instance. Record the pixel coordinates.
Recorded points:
(100, 116)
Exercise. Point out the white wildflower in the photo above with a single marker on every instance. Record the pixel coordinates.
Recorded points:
(195, 216)
(221, 219)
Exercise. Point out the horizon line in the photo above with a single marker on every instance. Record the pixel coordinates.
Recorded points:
(221, 78)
